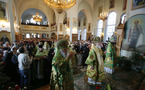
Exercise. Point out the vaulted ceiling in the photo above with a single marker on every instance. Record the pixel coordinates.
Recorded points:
(23, 5)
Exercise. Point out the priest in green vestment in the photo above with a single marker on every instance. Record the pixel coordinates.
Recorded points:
(46, 46)
(62, 73)
(109, 59)
(95, 70)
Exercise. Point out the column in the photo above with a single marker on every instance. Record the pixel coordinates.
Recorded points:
(49, 32)
(104, 29)
(82, 28)
(128, 9)
(11, 19)
(71, 27)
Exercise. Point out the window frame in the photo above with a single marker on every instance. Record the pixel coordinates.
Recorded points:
(110, 25)
(99, 21)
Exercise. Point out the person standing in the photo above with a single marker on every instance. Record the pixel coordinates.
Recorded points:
(85, 52)
(109, 59)
(62, 75)
(95, 70)
(48, 64)
(24, 63)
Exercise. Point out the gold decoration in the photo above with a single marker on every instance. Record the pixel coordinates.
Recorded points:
(37, 17)
(104, 14)
(60, 5)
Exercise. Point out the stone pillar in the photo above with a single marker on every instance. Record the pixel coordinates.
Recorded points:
(104, 29)
(49, 31)
(71, 28)
(11, 19)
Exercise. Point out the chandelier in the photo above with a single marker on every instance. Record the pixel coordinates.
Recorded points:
(60, 5)
(103, 15)
(37, 17)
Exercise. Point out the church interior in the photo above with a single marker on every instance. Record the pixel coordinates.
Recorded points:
(72, 45)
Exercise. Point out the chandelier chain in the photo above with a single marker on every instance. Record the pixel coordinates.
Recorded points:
(37, 17)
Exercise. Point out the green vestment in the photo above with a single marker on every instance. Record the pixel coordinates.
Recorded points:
(95, 60)
(62, 73)
(109, 59)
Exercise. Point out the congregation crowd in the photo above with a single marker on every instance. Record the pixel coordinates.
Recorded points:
(32, 59)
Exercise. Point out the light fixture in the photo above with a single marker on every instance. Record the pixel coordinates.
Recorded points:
(37, 17)
(60, 5)
(104, 14)
(3, 23)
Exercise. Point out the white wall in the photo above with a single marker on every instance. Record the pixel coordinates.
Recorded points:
(89, 7)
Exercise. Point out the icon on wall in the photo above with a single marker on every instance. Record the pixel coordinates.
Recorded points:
(74, 22)
(89, 26)
(138, 4)
(124, 4)
(134, 33)
(111, 5)
(3, 11)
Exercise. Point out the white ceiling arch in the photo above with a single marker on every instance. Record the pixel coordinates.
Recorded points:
(23, 5)
(90, 2)
(86, 9)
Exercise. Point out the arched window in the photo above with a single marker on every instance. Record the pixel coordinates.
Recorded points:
(38, 23)
(32, 21)
(28, 35)
(99, 28)
(34, 35)
(43, 35)
(27, 21)
(79, 33)
(110, 24)
(84, 34)
(38, 36)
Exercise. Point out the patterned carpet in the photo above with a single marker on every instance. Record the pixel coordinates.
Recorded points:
(120, 80)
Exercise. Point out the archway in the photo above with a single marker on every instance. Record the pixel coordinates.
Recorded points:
(43, 35)
(26, 18)
(53, 36)
(82, 25)
(28, 35)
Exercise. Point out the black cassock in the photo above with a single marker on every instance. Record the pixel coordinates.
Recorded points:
(49, 64)
(85, 52)
(11, 68)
